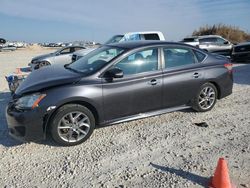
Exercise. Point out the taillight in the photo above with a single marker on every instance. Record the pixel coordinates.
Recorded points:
(229, 67)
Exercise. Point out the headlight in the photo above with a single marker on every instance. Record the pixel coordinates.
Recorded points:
(29, 101)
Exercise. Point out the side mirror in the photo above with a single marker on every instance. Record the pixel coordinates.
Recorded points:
(114, 73)
(226, 42)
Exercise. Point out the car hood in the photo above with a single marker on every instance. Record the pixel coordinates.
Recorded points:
(242, 44)
(40, 57)
(46, 77)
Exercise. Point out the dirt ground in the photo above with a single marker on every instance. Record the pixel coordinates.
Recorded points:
(162, 151)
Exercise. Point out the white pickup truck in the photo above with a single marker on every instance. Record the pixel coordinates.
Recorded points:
(131, 36)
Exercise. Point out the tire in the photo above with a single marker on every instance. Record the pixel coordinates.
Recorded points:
(43, 64)
(72, 124)
(205, 98)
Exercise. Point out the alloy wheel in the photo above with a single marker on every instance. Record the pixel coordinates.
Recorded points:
(207, 97)
(73, 126)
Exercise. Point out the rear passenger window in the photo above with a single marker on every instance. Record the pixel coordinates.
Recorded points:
(175, 57)
(151, 37)
(208, 40)
(199, 55)
(139, 62)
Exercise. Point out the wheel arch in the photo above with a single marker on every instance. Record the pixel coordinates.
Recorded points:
(48, 117)
(46, 60)
(217, 87)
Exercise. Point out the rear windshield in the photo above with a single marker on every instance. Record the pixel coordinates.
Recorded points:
(151, 37)
(190, 40)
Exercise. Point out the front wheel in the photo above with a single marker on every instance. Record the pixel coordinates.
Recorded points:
(206, 98)
(72, 124)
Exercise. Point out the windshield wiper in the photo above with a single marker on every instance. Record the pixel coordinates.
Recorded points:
(66, 66)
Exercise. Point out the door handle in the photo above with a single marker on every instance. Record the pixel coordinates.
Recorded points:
(153, 82)
(196, 75)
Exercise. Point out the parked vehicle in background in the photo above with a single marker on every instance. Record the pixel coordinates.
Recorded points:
(143, 35)
(211, 43)
(80, 53)
(131, 36)
(7, 48)
(193, 41)
(116, 83)
(2, 41)
(241, 53)
(215, 44)
(62, 56)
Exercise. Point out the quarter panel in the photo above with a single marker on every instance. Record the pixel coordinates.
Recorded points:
(219, 75)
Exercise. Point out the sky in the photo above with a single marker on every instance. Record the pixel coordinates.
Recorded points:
(98, 20)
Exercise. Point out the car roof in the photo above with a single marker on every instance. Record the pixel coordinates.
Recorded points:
(209, 36)
(142, 32)
(73, 46)
(138, 44)
(191, 37)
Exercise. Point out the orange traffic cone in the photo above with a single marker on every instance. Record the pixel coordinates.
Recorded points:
(221, 176)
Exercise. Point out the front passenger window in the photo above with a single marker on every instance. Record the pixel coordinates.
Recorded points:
(221, 41)
(65, 51)
(139, 62)
(175, 57)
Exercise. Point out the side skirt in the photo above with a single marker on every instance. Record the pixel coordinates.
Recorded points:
(144, 115)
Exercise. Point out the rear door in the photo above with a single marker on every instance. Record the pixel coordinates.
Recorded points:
(182, 75)
(140, 89)
(208, 44)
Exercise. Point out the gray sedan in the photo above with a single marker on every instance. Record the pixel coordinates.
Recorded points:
(116, 83)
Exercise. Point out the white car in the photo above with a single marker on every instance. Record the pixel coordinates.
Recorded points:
(63, 56)
(131, 36)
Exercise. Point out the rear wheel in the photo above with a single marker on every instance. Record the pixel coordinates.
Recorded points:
(206, 98)
(72, 124)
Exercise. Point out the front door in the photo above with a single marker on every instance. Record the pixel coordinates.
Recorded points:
(64, 56)
(140, 89)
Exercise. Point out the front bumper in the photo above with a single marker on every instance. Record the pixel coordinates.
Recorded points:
(25, 125)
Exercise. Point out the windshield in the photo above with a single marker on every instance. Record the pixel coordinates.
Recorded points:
(114, 39)
(95, 60)
(57, 51)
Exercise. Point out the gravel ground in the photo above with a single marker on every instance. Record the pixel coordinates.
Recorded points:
(162, 151)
